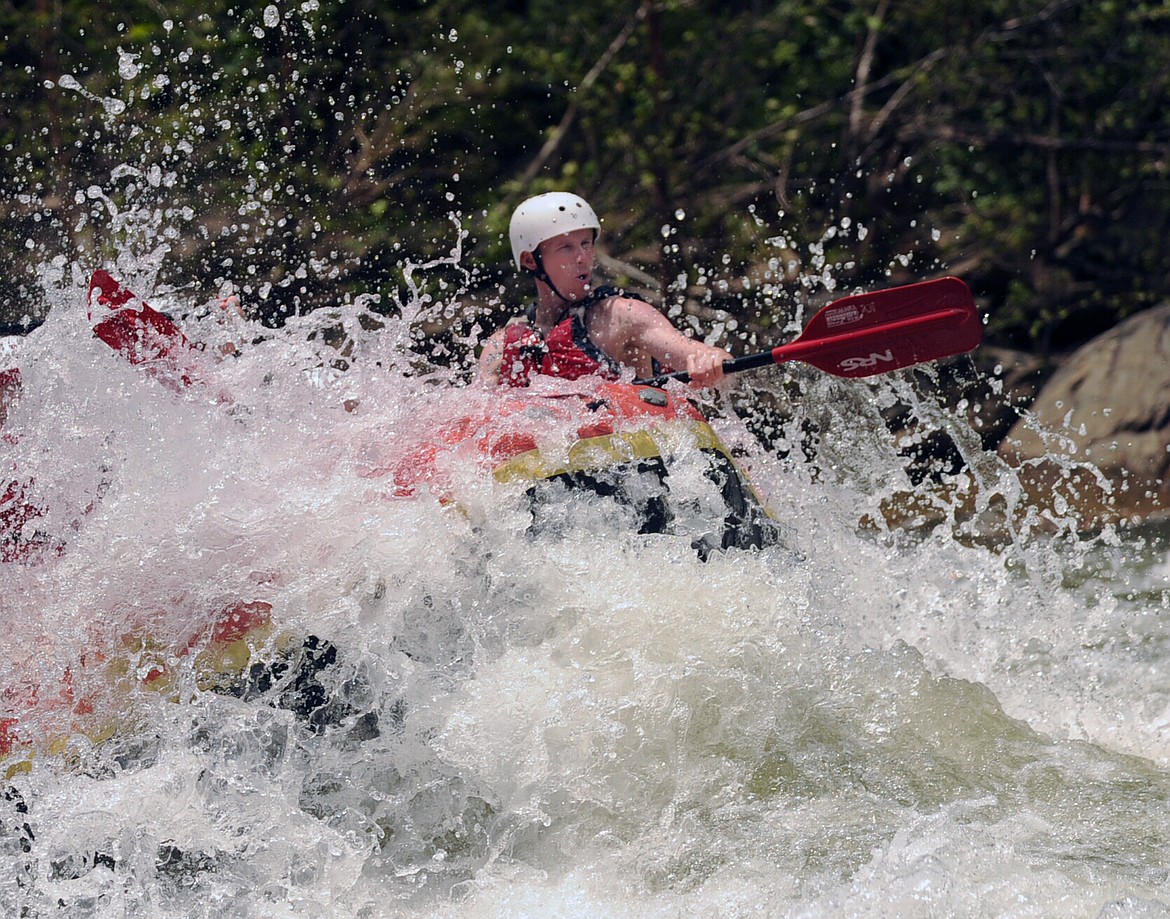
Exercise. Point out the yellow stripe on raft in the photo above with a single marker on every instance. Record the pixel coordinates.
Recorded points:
(592, 453)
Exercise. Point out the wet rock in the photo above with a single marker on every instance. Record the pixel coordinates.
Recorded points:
(1108, 406)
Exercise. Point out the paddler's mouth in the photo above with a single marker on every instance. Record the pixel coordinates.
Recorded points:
(585, 283)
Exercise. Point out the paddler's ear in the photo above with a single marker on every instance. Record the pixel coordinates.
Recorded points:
(528, 262)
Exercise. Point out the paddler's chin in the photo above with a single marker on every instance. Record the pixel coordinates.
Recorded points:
(580, 292)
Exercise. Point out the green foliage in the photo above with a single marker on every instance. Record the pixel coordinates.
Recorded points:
(305, 153)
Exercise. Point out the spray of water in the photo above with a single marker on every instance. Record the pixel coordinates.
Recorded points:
(434, 708)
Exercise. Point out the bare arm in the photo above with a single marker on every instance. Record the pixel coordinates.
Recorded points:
(490, 357)
(636, 334)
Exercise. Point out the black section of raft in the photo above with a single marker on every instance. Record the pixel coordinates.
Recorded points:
(745, 524)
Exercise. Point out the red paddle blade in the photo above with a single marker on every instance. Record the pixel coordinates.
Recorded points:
(107, 292)
(867, 334)
(139, 332)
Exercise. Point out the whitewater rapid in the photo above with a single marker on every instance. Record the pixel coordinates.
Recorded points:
(578, 722)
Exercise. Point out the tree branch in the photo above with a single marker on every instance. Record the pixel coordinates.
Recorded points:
(864, 67)
(558, 135)
(950, 134)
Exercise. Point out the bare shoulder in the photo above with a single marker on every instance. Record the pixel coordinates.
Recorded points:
(496, 339)
(622, 302)
(620, 312)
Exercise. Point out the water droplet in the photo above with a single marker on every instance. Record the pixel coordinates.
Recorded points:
(680, 214)
(128, 66)
(271, 16)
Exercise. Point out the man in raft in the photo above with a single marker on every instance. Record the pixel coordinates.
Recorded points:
(575, 329)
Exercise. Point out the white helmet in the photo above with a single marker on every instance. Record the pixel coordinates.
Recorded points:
(546, 216)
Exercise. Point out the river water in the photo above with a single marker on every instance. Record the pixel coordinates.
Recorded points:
(578, 722)
(966, 718)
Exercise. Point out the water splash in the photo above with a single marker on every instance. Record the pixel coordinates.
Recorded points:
(458, 715)
(112, 105)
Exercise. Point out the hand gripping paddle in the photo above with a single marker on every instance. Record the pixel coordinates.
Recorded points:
(866, 334)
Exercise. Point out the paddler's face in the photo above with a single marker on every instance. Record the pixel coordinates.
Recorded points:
(568, 260)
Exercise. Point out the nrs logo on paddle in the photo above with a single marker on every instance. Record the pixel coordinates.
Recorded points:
(856, 363)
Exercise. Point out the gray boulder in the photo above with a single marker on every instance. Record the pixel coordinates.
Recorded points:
(1109, 406)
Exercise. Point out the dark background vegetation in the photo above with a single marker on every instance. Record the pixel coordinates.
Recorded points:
(303, 152)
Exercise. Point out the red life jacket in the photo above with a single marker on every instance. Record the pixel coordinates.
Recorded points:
(566, 352)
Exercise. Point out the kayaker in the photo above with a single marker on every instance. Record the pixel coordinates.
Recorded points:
(575, 329)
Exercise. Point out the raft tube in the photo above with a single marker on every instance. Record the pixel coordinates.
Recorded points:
(599, 436)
